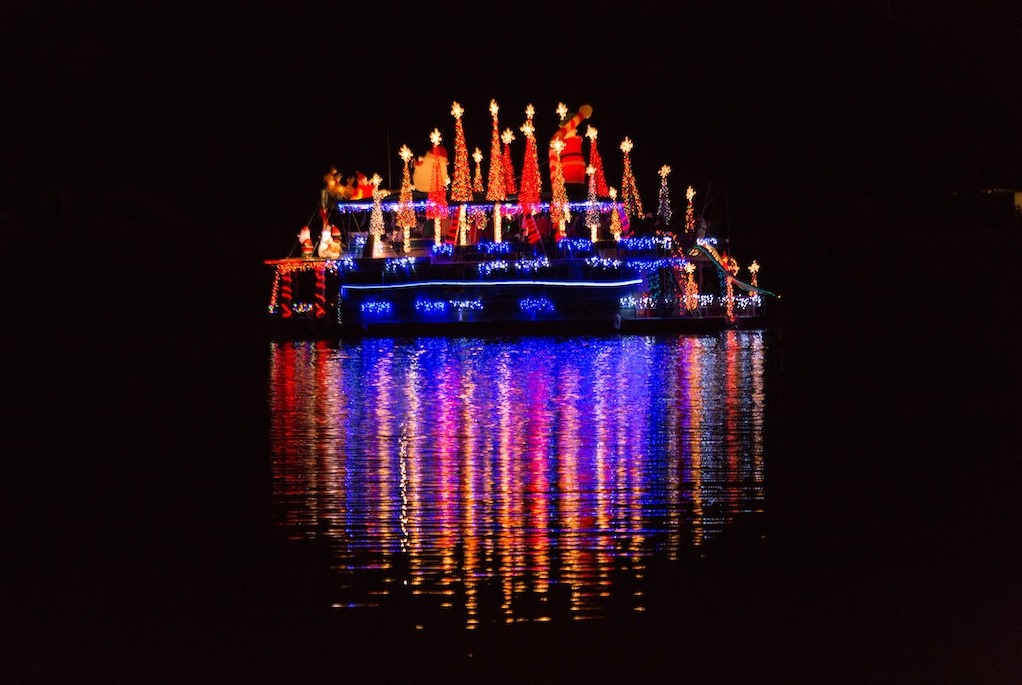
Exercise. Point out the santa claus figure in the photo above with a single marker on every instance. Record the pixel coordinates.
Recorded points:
(573, 163)
(422, 175)
(332, 250)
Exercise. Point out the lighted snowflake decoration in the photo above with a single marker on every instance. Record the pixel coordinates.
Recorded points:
(530, 111)
(477, 156)
(626, 145)
(562, 110)
(664, 170)
(527, 129)
(507, 136)
(558, 145)
(456, 110)
(613, 193)
(494, 108)
(591, 133)
(405, 153)
(690, 193)
(435, 137)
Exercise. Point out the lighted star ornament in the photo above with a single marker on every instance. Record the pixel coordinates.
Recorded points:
(754, 269)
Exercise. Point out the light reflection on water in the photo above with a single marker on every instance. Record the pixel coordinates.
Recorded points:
(513, 480)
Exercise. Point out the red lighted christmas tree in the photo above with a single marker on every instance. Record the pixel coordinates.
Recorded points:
(495, 189)
(528, 196)
(461, 185)
(508, 171)
(596, 162)
(436, 204)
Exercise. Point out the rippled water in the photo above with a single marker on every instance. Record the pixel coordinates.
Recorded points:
(482, 481)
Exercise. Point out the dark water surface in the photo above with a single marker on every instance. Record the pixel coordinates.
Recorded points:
(835, 499)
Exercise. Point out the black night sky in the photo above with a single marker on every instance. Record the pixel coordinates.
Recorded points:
(222, 120)
(154, 153)
(211, 127)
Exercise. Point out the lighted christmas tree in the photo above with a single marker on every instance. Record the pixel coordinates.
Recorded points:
(458, 228)
(376, 227)
(592, 211)
(596, 162)
(528, 195)
(559, 214)
(477, 219)
(664, 211)
(615, 215)
(477, 181)
(436, 204)
(629, 191)
(495, 189)
(691, 288)
(461, 186)
(508, 171)
(405, 208)
(731, 264)
(690, 215)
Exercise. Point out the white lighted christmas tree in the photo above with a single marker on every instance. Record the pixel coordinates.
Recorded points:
(690, 215)
(405, 208)
(592, 211)
(629, 191)
(376, 226)
(615, 215)
(477, 179)
(559, 214)
(664, 210)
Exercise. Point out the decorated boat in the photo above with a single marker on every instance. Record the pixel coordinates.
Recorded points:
(455, 251)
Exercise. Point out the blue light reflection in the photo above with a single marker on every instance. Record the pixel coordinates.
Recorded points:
(520, 479)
